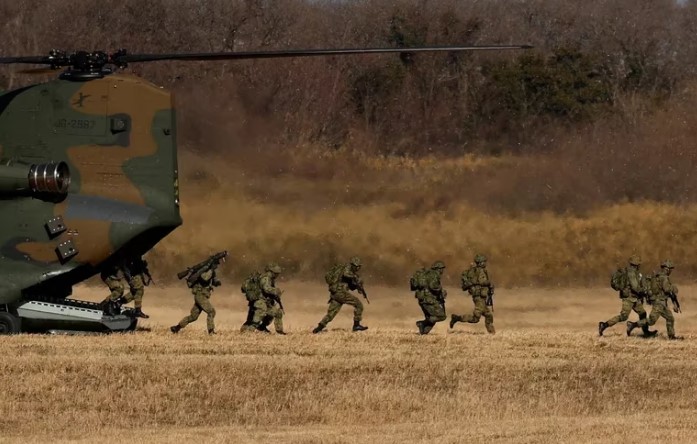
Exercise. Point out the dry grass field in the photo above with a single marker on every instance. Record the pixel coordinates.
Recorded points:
(545, 377)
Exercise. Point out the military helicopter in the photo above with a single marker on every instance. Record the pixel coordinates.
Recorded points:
(88, 178)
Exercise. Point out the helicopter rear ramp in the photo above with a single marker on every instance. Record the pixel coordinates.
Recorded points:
(71, 315)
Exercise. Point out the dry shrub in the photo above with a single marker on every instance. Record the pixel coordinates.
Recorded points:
(566, 217)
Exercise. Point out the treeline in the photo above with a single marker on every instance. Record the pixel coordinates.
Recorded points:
(593, 60)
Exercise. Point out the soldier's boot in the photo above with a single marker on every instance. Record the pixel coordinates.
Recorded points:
(211, 331)
(175, 328)
(319, 328)
(122, 300)
(490, 329)
(675, 338)
(114, 308)
(601, 327)
(281, 332)
(138, 313)
(109, 308)
(263, 329)
(648, 333)
(427, 328)
(454, 319)
(631, 326)
(358, 327)
(420, 326)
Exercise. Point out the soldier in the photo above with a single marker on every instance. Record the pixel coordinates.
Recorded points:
(341, 278)
(201, 283)
(431, 297)
(659, 294)
(138, 277)
(476, 281)
(113, 277)
(632, 293)
(266, 306)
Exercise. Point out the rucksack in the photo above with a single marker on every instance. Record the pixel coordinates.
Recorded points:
(467, 279)
(418, 280)
(618, 280)
(334, 274)
(653, 286)
(251, 287)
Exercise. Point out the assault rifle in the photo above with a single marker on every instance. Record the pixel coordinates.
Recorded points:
(361, 290)
(442, 296)
(146, 272)
(676, 303)
(280, 304)
(192, 274)
(490, 299)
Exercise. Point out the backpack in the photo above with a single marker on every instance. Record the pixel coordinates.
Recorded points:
(334, 274)
(653, 286)
(618, 280)
(418, 280)
(251, 287)
(467, 279)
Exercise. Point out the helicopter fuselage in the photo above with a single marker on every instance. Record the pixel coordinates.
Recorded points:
(100, 161)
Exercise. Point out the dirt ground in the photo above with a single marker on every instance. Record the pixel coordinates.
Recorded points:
(544, 377)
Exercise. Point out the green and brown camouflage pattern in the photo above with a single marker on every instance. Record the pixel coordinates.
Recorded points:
(123, 195)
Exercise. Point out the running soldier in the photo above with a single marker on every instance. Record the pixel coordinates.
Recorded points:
(264, 298)
(659, 293)
(431, 296)
(631, 286)
(476, 281)
(138, 277)
(201, 279)
(114, 278)
(341, 278)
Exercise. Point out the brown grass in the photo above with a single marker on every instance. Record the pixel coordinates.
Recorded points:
(543, 378)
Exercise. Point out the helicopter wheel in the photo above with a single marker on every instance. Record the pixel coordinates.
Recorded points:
(9, 324)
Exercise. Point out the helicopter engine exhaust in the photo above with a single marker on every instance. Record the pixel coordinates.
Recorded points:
(51, 178)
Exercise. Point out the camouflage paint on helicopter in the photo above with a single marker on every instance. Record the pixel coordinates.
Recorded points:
(117, 136)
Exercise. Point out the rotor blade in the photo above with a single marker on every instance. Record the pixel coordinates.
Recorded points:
(130, 58)
(36, 60)
(37, 71)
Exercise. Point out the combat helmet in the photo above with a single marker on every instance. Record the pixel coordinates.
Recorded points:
(479, 259)
(667, 264)
(355, 261)
(274, 268)
(635, 259)
(438, 265)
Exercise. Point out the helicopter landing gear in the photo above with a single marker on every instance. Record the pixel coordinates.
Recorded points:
(9, 324)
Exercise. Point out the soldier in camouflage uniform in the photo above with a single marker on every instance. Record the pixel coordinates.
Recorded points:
(476, 281)
(432, 298)
(632, 296)
(113, 277)
(202, 288)
(267, 306)
(663, 290)
(136, 273)
(346, 279)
